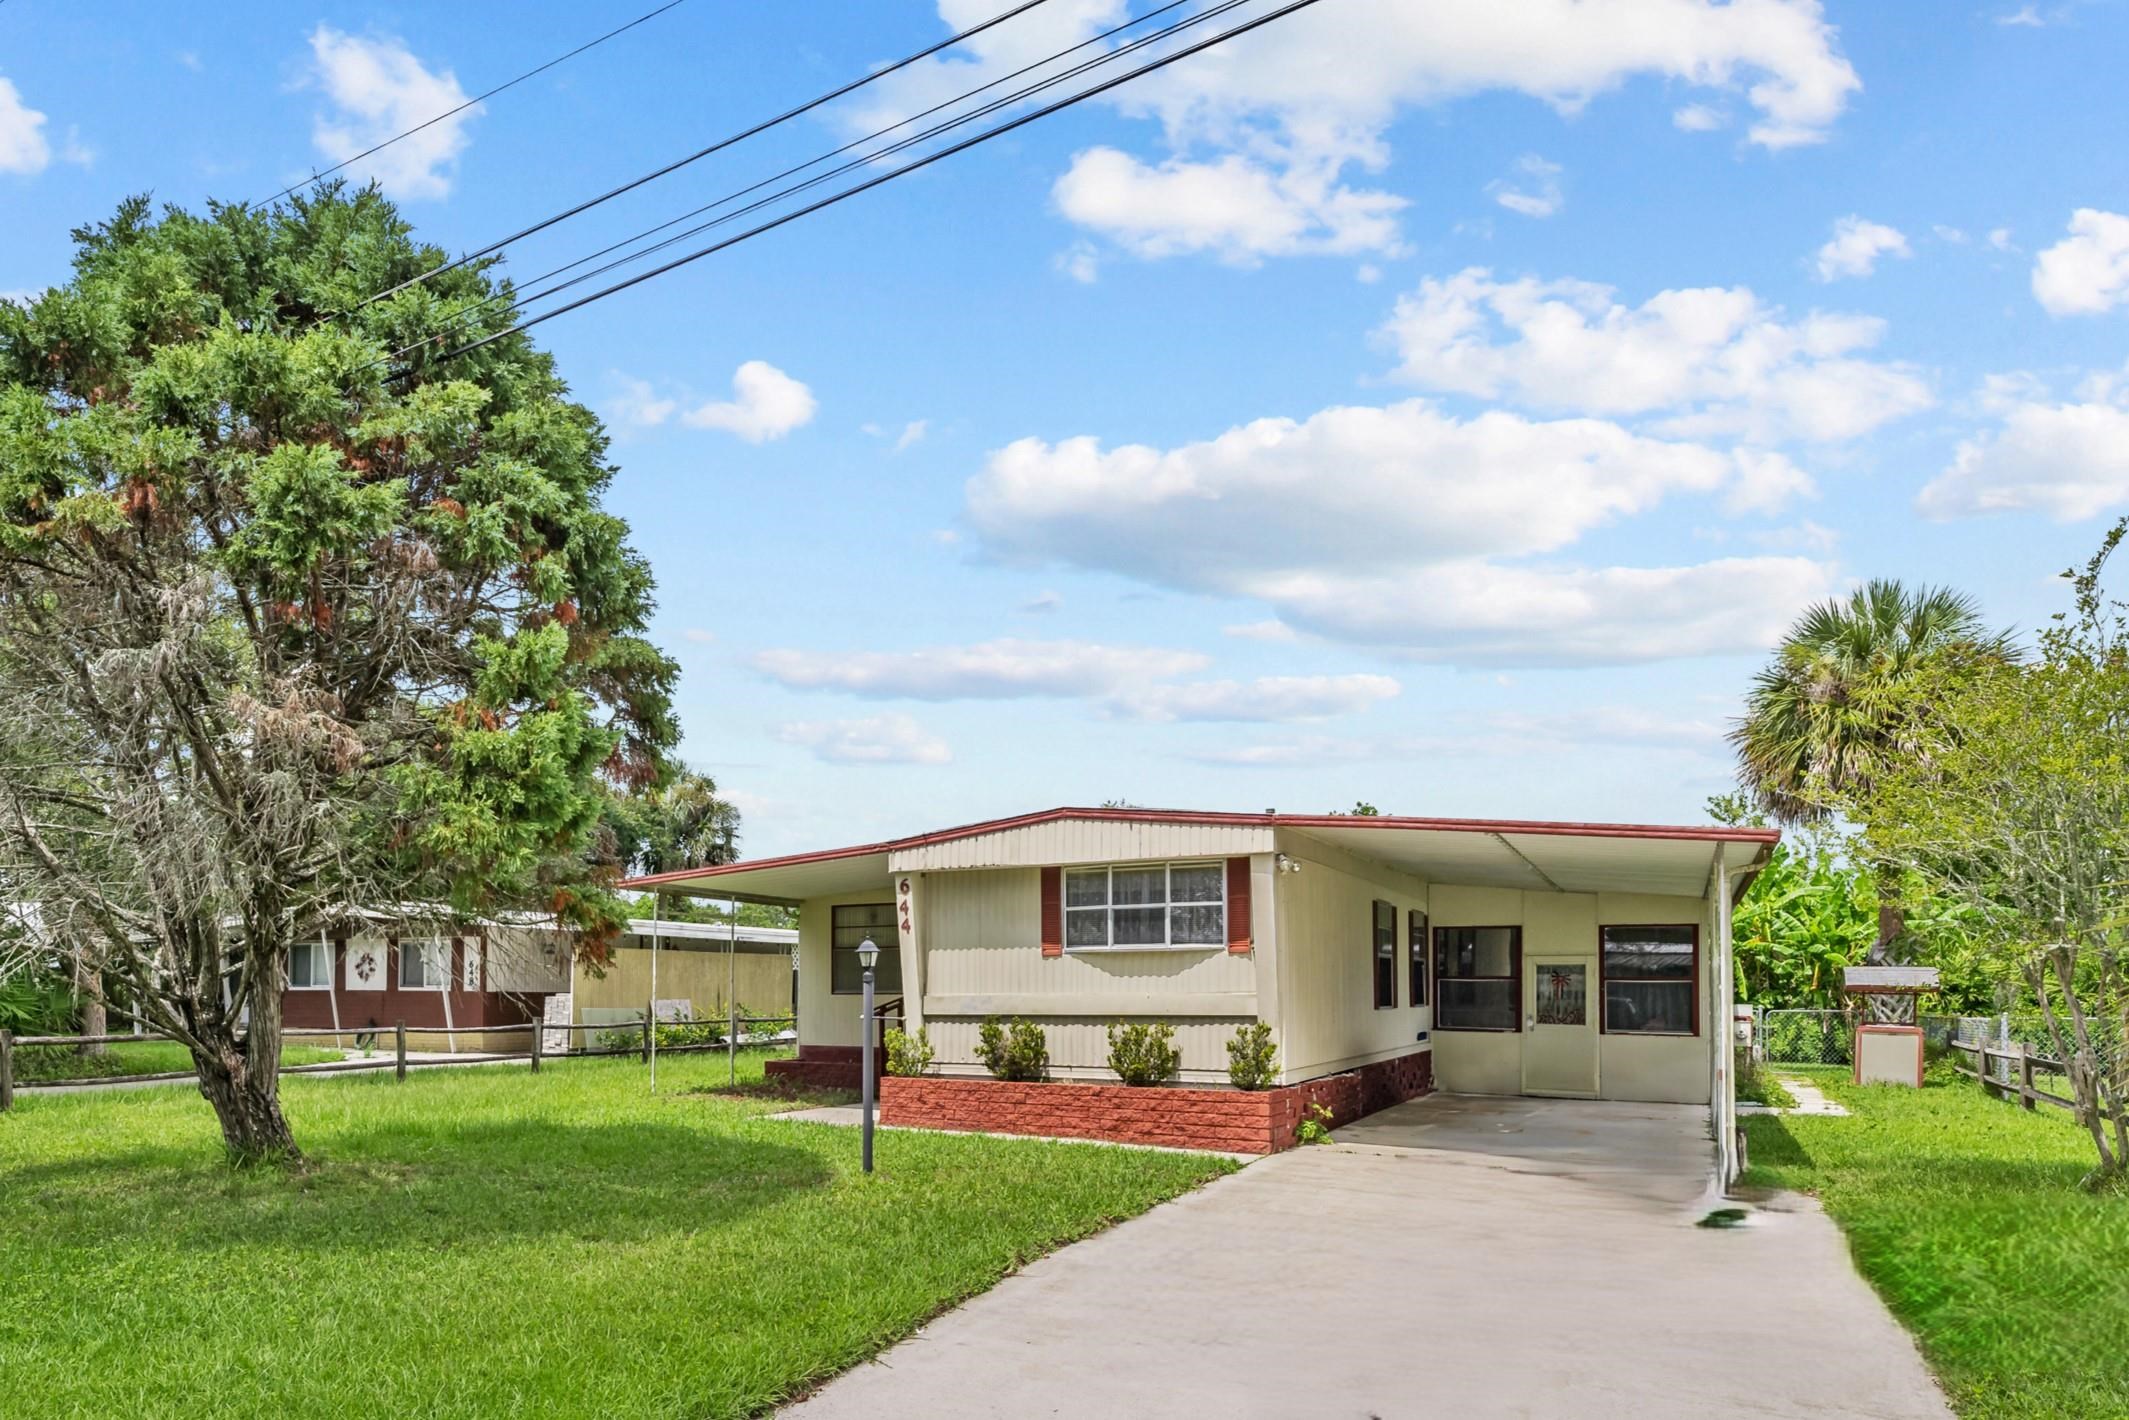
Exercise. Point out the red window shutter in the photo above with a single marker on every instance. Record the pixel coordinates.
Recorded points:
(1238, 939)
(1053, 912)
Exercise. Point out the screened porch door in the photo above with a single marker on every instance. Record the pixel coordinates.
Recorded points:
(1559, 1027)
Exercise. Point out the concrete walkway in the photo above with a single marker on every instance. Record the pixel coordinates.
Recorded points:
(1470, 1277)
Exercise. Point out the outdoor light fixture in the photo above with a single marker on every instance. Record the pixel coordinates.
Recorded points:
(868, 955)
(1286, 864)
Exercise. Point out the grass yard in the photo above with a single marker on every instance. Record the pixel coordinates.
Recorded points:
(1966, 1215)
(484, 1242)
(145, 1057)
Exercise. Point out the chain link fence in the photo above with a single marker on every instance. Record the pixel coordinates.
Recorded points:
(1792, 1037)
(1803, 1037)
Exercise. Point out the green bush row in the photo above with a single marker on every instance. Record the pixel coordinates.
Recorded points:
(1140, 1053)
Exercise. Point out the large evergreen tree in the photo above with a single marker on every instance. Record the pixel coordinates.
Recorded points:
(289, 623)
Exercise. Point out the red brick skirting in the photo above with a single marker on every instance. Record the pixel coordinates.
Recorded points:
(1178, 1117)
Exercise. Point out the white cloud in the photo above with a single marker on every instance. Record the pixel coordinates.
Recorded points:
(638, 404)
(1263, 631)
(1260, 135)
(2000, 239)
(879, 739)
(1534, 192)
(1713, 360)
(1389, 527)
(1699, 118)
(1273, 699)
(1856, 246)
(1496, 734)
(699, 635)
(766, 404)
(379, 89)
(1236, 208)
(1608, 725)
(912, 434)
(2068, 460)
(23, 147)
(1041, 604)
(1477, 613)
(2086, 272)
(1008, 668)
(1080, 261)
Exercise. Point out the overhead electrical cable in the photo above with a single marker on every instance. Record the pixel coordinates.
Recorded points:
(964, 145)
(469, 103)
(529, 294)
(700, 153)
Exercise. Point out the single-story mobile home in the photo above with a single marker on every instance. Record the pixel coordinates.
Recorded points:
(455, 983)
(1397, 954)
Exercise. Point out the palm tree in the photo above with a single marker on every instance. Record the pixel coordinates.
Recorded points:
(1829, 709)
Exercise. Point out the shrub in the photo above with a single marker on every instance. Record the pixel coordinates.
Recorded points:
(909, 1054)
(1143, 1053)
(1018, 1052)
(1316, 1128)
(1252, 1059)
(675, 1033)
(1755, 1082)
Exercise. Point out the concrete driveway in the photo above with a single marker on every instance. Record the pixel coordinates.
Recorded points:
(1451, 1256)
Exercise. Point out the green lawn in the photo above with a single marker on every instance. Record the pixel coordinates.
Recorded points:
(1966, 1215)
(484, 1242)
(146, 1057)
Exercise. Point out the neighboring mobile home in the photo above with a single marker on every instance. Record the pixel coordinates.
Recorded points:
(448, 980)
(1577, 960)
(704, 969)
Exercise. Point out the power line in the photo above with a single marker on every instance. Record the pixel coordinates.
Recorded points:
(469, 103)
(1007, 127)
(632, 184)
(462, 317)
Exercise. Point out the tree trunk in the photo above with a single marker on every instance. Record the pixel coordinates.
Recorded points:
(1892, 925)
(242, 1080)
(247, 1106)
(88, 985)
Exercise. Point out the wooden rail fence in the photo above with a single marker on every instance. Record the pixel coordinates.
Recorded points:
(398, 1062)
(2020, 1088)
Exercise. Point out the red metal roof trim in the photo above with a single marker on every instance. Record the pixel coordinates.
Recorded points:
(1707, 833)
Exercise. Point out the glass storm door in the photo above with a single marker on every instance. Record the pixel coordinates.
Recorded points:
(1559, 1027)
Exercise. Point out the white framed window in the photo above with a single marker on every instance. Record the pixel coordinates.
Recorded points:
(310, 967)
(1146, 907)
(424, 965)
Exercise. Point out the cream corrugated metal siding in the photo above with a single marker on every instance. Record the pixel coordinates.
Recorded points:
(982, 932)
(1326, 946)
(1086, 841)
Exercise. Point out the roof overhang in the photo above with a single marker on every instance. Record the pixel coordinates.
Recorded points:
(1671, 860)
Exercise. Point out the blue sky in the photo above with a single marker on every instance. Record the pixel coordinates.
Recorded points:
(1442, 405)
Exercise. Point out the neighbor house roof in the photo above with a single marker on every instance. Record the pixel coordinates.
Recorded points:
(1543, 855)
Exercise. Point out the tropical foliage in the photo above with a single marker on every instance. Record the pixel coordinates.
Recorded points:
(2016, 806)
(1827, 715)
(1813, 910)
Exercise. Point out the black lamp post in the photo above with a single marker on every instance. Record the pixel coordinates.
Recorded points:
(868, 954)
